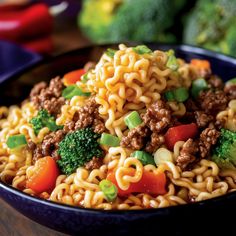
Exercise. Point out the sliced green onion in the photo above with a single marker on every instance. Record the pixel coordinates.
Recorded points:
(169, 96)
(144, 157)
(109, 140)
(142, 49)
(133, 120)
(162, 155)
(110, 52)
(181, 94)
(16, 141)
(72, 91)
(172, 62)
(109, 190)
(198, 85)
(84, 78)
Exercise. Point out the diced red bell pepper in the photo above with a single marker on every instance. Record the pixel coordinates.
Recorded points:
(73, 76)
(149, 183)
(180, 133)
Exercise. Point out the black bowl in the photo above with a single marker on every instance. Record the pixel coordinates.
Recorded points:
(214, 215)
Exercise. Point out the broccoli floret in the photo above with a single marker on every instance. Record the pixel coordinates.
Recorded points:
(224, 153)
(44, 119)
(112, 21)
(95, 18)
(212, 25)
(77, 148)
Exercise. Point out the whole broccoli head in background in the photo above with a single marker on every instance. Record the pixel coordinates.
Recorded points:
(211, 24)
(111, 21)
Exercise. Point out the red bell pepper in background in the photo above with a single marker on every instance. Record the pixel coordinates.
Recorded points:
(180, 133)
(28, 25)
(42, 45)
(149, 183)
(73, 76)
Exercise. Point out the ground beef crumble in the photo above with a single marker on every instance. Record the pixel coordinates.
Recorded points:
(87, 115)
(48, 97)
(48, 147)
(207, 139)
(187, 154)
(212, 102)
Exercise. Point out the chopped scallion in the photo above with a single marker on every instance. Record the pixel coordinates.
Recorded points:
(181, 94)
(133, 120)
(84, 78)
(172, 62)
(109, 140)
(142, 49)
(109, 190)
(72, 91)
(110, 52)
(198, 85)
(144, 157)
(169, 96)
(16, 141)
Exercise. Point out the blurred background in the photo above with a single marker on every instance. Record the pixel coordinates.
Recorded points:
(50, 27)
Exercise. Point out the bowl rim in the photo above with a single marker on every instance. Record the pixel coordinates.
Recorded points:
(181, 47)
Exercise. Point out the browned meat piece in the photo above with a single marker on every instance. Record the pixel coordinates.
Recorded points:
(157, 116)
(48, 98)
(187, 154)
(95, 163)
(56, 86)
(31, 145)
(156, 141)
(208, 137)
(135, 138)
(230, 90)
(89, 65)
(191, 105)
(216, 82)
(37, 89)
(49, 146)
(213, 101)
(86, 116)
(203, 119)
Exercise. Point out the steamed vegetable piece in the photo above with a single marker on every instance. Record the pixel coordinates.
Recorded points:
(44, 175)
(44, 119)
(144, 157)
(16, 141)
(133, 120)
(149, 183)
(77, 148)
(211, 24)
(73, 76)
(224, 153)
(180, 133)
(109, 189)
(109, 140)
(73, 90)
